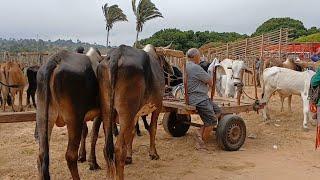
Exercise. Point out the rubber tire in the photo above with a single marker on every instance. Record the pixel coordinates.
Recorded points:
(222, 130)
(171, 123)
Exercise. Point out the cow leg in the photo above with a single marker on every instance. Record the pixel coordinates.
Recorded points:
(129, 147)
(1, 101)
(127, 121)
(289, 103)
(28, 98)
(74, 137)
(153, 129)
(305, 102)
(138, 129)
(13, 99)
(266, 96)
(125, 137)
(94, 137)
(33, 96)
(145, 123)
(82, 152)
(282, 101)
(20, 100)
(4, 103)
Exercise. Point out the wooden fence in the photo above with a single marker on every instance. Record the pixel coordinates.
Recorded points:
(271, 45)
(25, 58)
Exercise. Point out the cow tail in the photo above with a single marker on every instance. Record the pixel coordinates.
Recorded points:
(45, 87)
(113, 71)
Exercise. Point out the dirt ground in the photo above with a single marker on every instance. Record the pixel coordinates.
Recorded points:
(281, 150)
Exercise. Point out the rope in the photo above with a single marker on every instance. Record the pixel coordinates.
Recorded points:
(11, 86)
(248, 95)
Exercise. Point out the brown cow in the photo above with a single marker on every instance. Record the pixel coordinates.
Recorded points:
(67, 94)
(14, 81)
(131, 84)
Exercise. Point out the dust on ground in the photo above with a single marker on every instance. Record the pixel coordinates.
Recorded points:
(281, 150)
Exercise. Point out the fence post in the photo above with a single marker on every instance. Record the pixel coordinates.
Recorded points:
(280, 41)
(227, 50)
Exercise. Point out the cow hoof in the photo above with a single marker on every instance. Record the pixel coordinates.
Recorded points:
(82, 159)
(305, 129)
(94, 167)
(128, 160)
(154, 156)
(139, 134)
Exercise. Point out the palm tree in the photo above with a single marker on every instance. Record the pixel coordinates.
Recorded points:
(144, 11)
(112, 15)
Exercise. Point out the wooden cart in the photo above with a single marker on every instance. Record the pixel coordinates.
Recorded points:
(231, 128)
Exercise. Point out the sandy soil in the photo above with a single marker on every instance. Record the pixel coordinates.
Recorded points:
(294, 158)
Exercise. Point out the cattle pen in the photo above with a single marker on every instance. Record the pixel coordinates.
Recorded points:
(177, 119)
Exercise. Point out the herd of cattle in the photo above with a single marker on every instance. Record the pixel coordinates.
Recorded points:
(119, 88)
(13, 82)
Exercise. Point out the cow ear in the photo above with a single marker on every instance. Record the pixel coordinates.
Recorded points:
(220, 70)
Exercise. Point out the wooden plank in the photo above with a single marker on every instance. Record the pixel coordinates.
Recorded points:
(14, 117)
(236, 109)
(185, 83)
(226, 100)
(178, 105)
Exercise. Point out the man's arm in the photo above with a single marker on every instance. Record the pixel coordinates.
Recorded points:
(203, 76)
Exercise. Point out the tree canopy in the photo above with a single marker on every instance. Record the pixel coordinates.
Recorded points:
(112, 15)
(311, 38)
(144, 11)
(32, 45)
(183, 40)
(296, 26)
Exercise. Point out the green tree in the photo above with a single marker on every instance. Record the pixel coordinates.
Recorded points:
(313, 30)
(184, 40)
(144, 11)
(273, 24)
(311, 38)
(112, 15)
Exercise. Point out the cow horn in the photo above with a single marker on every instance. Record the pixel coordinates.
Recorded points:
(169, 46)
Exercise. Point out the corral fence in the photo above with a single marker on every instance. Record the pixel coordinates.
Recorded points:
(24, 58)
(270, 45)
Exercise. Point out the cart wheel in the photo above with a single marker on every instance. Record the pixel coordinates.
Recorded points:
(173, 124)
(231, 133)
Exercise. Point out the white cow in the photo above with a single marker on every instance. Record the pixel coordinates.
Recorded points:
(229, 73)
(288, 82)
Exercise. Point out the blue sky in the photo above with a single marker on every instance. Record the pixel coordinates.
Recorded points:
(83, 19)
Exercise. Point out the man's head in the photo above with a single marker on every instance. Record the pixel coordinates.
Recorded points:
(80, 49)
(193, 54)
